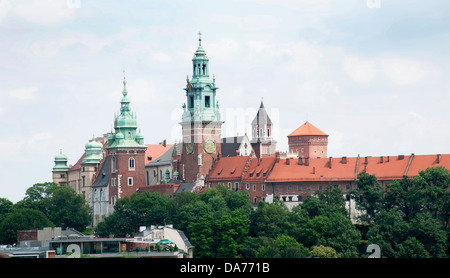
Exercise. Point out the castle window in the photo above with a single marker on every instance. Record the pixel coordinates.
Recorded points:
(263, 187)
(229, 185)
(113, 164)
(236, 186)
(131, 164)
(130, 181)
(207, 101)
(268, 132)
(254, 187)
(191, 101)
(247, 186)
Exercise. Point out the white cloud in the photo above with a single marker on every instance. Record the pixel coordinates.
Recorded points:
(302, 57)
(45, 12)
(24, 94)
(403, 71)
(58, 45)
(140, 90)
(5, 7)
(222, 49)
(359, 69)
(161, 57)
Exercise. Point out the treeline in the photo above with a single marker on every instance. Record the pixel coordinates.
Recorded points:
(408, 218)
(44, 205)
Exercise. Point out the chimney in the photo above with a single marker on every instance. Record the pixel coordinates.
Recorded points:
(387, 158)
(314, 170)
(300, 161)
(287, 161)
(238, 153)
(381, 159)
(366, 160)
(439, 158)
(307, 161)
(330, 162)
(344, 160)
(401, 156)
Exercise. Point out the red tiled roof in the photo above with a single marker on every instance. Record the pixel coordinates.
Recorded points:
(383, 169)
(307, 129)
(421, 162)
(155, 150)
(228, 168)
(77, 165)
(318, 170)
(259, 169)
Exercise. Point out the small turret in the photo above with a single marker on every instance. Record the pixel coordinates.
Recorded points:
(93, 151)
(61, 162)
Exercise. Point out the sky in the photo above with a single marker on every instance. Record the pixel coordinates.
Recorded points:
(373, 74)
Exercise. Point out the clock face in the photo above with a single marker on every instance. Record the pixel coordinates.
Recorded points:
(189, 147)
(209, 145)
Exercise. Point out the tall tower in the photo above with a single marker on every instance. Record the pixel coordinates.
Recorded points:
(308, 141)
(125, 153)
(262, 133)
(61, 170)
(201, 121)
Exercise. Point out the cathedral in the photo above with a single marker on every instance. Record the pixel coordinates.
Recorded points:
(119, 163)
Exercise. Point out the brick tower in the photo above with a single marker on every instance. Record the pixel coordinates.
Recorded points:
(125, 153)
(201, 122)
(308, 141)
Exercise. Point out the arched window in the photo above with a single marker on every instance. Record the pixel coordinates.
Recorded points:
(131, 164)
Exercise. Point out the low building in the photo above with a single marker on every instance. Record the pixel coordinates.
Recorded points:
(152, 242)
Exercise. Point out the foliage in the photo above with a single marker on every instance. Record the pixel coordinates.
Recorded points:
(408, 218)
(321, 251)
(21, 219)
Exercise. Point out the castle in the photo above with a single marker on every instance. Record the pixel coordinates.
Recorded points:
(119, 164)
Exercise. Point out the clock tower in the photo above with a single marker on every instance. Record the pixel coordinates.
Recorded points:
(201, 122)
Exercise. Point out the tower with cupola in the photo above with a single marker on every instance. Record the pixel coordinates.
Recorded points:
(60, 170)
(201, 121)
(125, 153)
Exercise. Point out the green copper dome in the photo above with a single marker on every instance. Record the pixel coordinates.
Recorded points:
(60, 162)
(93, 151)
(201, 91)
(125, 126)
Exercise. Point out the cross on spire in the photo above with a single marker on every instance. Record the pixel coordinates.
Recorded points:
(199, 38)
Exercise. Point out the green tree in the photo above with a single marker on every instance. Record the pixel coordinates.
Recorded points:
(66, 209)
(335, 230)
(270, 220)
(321, 251)
(6, 207)
(120, 223)
(389, 230)
(37, 196)
(21, 219)
(149, 208)
(368, 196)
(412, 248)
(283, 246)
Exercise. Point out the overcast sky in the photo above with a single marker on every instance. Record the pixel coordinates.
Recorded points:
(374, 74)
